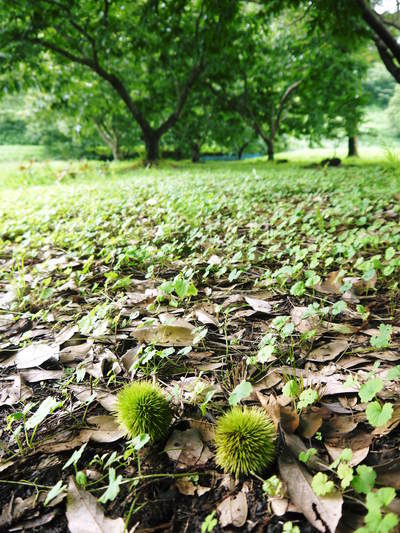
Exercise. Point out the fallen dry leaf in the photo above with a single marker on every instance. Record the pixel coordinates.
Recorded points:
(309, 424)
(36, 354)
(62, 442)
(106, 430)
(302, 325)
(329, 351)
(188, 488)
(233, 510)
(323, 513)
(166, 335)
(14, 390)
(261, 306)
(286, 417)
(205, 318)
(105, 398)
(34, 375)
(85, 515)
(76, 352)
(187, 448)
(331, 284)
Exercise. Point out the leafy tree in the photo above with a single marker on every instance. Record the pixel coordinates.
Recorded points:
(151, 53)
(379, 85)
(394, 111)
(13, 125)
(88, 105)
(204, 123)
(285, 81)
(353, 20)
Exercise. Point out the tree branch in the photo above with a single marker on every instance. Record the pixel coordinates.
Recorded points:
(284, 99)
(388, 59)
(111, 78)
(378, 27)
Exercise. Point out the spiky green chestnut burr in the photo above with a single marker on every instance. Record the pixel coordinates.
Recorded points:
(143, 408)
(245, 439)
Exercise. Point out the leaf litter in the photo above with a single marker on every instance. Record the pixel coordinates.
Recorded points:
(111, 316)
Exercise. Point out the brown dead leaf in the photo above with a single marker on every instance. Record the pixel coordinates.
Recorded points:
(309, 424)
(328, 352)
(261, 306)
(302, 325)
(105, 398)
(205, 318)
(186, 448)
(36, 354)
(286, 417)
(322, 512)
(75, 352)
(356, 440)
(107, 429)
(65, 334)
(62, 442)
(360, 286)
(188, 488)
(339, 425)
(233, 510)
(205, 428)
(388, 476)
(85, 514)
(272, 379)
(15, 509)
(37, 374)
(166, 335)
(331, 284)
(357, 457)
(14, 390)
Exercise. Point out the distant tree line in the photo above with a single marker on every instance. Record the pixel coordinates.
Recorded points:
(179, 75)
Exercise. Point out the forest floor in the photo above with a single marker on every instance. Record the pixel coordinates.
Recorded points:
(250, 283)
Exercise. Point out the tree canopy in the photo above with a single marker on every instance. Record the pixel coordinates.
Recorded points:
(191, 72)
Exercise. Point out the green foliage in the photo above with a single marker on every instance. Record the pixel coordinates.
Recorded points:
(304, 457)
(55, 491)
(345, 474)
(394, 111)
(273, 487)
(364, 481)
(240, 392)
(322, 485)
(289, 527)
(113, 489)
(376, 520)
(369, 389)
(245, 440)
(209, 523)
(379, 85)
(394, 373)
(377, 414)
(143, 408)
(382, 339)
(307, 397)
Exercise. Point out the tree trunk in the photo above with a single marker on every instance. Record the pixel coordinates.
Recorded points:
(115, 152)
(152, 144)
(195, 152)
(353, 146)
(241, 150)
(109, 137)
(270, 151)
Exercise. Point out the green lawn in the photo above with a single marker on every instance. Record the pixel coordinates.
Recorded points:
(201, 278)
